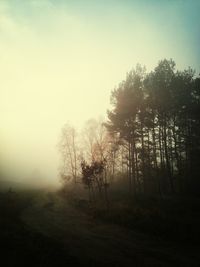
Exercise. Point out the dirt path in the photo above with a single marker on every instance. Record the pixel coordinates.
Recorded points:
(96, 243)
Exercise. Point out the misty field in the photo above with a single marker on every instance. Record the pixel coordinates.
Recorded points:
(40, 228)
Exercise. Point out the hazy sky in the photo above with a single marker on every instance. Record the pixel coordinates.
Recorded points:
(60, 59)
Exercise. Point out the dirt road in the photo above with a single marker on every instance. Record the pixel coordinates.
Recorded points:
(95, 243)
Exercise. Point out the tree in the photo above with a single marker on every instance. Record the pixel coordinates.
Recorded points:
(70, 154)
(94, 176)
(95, 140)
(127, 101)
(156, 117)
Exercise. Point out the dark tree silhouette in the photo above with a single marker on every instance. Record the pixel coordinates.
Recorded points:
(157, 117)
(94, 177)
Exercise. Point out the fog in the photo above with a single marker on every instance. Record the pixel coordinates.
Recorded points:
(59, 62)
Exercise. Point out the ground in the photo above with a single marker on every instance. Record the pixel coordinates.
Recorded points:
(47, 230)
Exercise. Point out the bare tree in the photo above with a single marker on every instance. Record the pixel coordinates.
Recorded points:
(70, 153)
(96, 140)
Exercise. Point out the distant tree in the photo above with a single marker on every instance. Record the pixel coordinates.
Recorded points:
(99, 144)
(70, 154)
(95, 140)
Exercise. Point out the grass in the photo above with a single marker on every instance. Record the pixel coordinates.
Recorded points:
(40, 228)
(174, 219)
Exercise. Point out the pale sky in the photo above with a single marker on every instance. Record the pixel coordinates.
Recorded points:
(59, 61)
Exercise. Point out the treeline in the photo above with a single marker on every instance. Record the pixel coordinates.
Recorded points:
(151, 137)
(157, 116)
